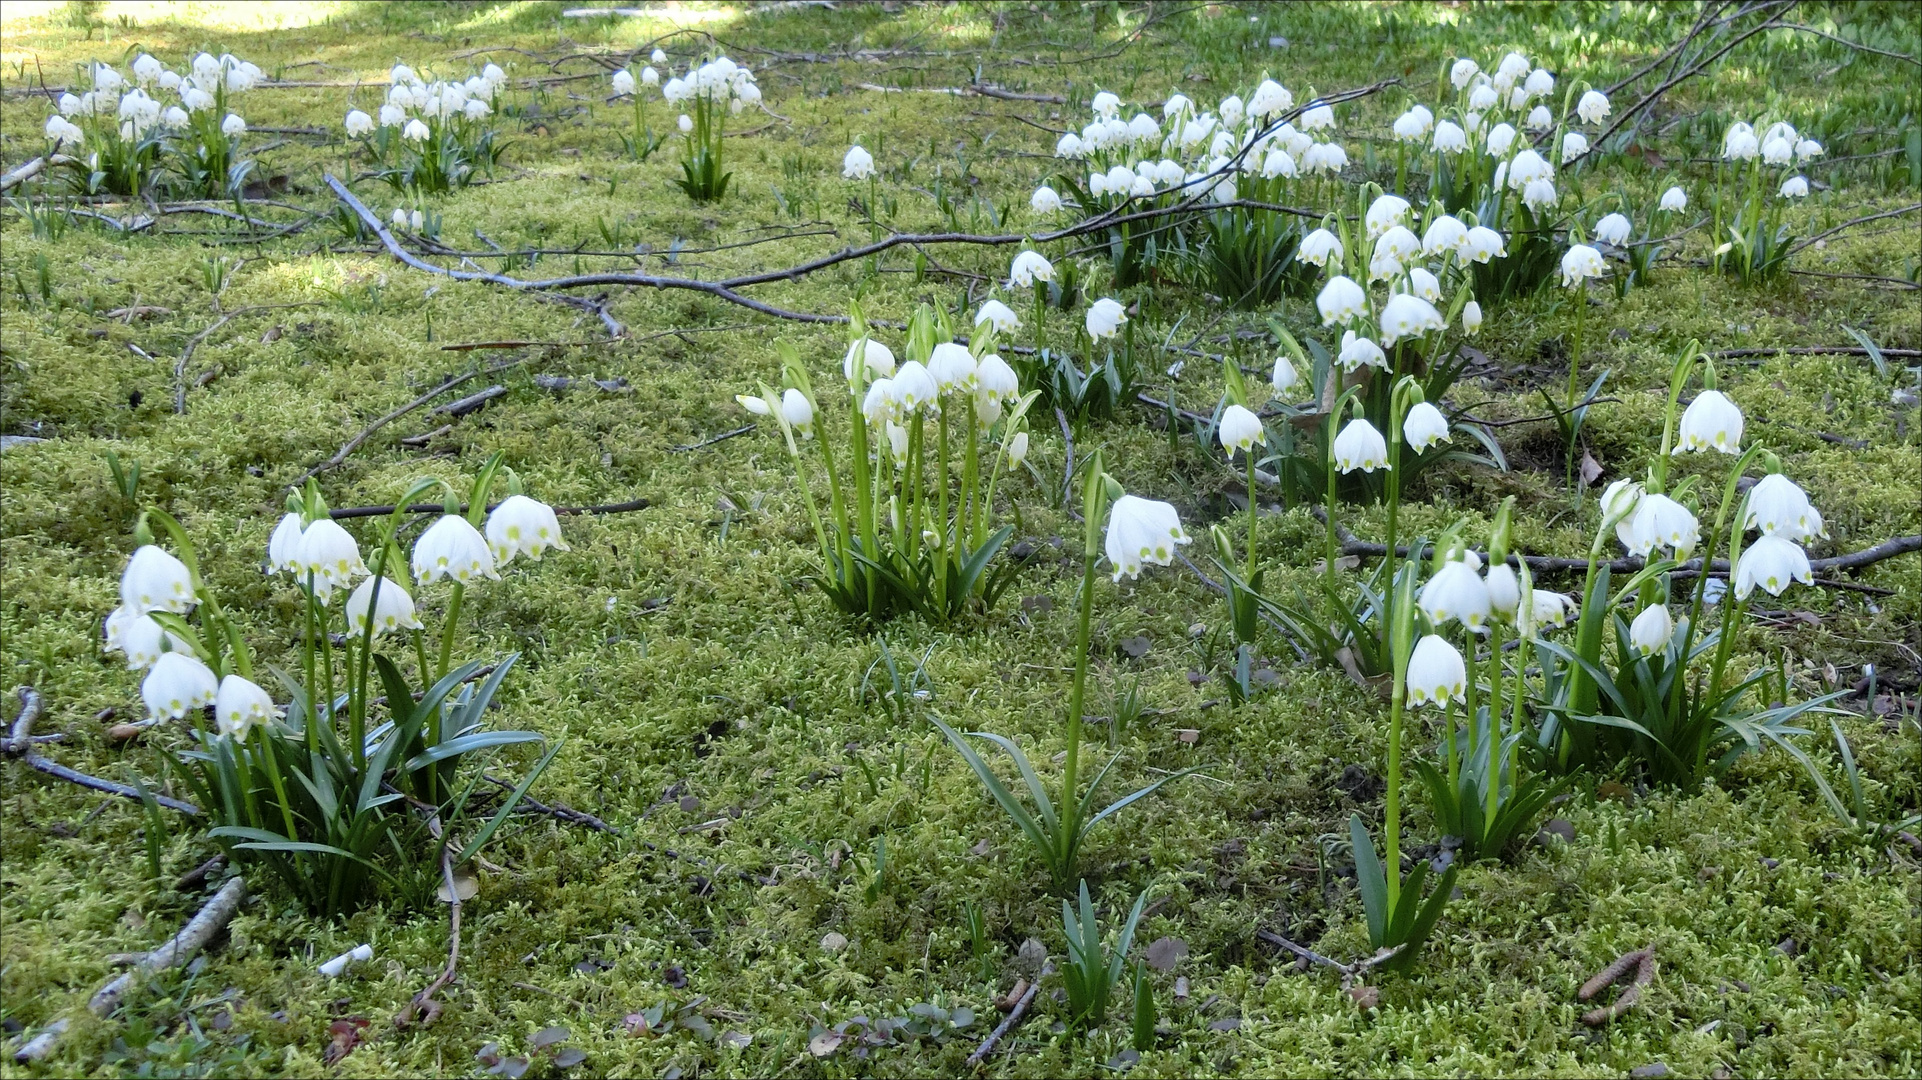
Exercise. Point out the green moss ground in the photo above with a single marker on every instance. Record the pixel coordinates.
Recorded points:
(679, 652)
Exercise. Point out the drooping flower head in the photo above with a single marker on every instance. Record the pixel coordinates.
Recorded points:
(524, 526)
(1142, 531)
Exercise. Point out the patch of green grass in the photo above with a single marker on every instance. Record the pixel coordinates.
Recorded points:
(684, 655)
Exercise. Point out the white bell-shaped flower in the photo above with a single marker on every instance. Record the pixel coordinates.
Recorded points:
(1539, 119)
(524, 526)
(1711, 421)
(1385, 213)
(1659, 521)
(1424, 284)
(177, 684)
(156, 581)
(452, 548)
(898, 444)
(1807, 149)
(1593, 108)
(1030, 267)
(141, 639)
(415, 131)
(1795, 187)
(1017, 449)
(1319, 247)
(995, 380)
(1540, 83)
(798, 411)
(1105, 317)
(240, 706)
(1528, 166)
(1613, 229)
(1456, 592)
(359, 123)
(623, 83)
(1551, 610)
(1501, 139)
(1674, 200)
(1240, 429)
(878, 361)
(1778, 151)
(1504, 590)
(1580, 263)
(329, 553)
(1142, 531)
(1399, 241)
(1773, 563)
(1285, 376)
(1540, 195)
(1471, 318)
(858, 164)
(1044, 200)
(1341, 300)
(1485, 243)
(914, 388)
(1406, 316)
(1446, 235)
(878, 406)
(953, 369)
(1358, 352)
(1463, 70)
(1360, 446)
(1070, 146)
(1483, 98)
(1779, 507)
(283, 547)
(754, 404)
(1318, 117)
(1651, 630)
(1437, 675)
(1144, 129)
(393, 608)
(1574, 145)
(1740, 143)
(1106, 104)
(1424, 426)
(1270, 99)
(1449, 138)
(998, 315)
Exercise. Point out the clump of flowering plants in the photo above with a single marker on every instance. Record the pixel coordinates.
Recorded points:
(1139, 532)
(130, 138)
(1645, 687)
(435, 137)
(355, 786)
(1762, 167)
(909, 525)
(711, 93)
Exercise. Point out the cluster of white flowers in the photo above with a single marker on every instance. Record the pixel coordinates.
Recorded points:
(324, 556)
(1415, 285)
(720, 80)
(204, 86)
(417, 107)
(1778, 145)
(1188, 147)
(624, 81)
(1460, 590)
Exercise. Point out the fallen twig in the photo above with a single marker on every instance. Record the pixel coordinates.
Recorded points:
(349, 512)
(1641, 962)
(353, 444)
(471, 403)
(187, 353)
(193, 937)
(42, 1044)
(1850, 224)
(710, 441)
(1812, 350)
(423, 1009)
(556, 810)
(1012, 1021)
(20, 744)
(1350, 973)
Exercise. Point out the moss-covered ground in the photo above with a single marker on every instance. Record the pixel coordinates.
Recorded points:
(714, 704)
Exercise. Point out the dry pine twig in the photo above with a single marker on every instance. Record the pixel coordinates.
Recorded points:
(212, 918)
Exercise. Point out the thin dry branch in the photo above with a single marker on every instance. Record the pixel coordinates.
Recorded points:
(1850, 224)
(1013, 1020)
(367, 432)
(20, 744)
(193, 937)
(423, 1009)
(349, 512)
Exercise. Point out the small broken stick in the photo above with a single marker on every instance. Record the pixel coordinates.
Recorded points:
(193, 937)
(1642, 963)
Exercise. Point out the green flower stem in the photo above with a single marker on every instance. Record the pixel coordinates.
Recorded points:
(420, 657)
(1040, 319)
(307, 664)
(448, 628)
(1392, 827)
(280, 785)
(1249, 574)
(944, 535)
(1091, 552)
